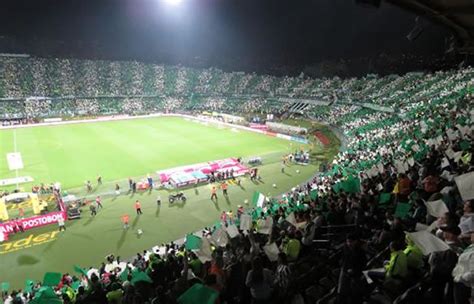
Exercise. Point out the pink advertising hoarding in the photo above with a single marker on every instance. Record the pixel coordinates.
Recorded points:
(33, 222)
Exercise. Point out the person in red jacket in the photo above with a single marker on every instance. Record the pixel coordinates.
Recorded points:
(138, 207)
(125, 220)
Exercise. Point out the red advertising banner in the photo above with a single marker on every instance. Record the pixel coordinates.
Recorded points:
(33, 222)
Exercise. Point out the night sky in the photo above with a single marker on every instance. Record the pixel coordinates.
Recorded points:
(233, 34)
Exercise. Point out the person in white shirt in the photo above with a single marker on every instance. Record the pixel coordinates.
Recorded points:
(61, 225)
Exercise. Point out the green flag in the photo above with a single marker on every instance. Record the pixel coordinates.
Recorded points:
(80, 270)
(198, 293)
(402, 210)
(140, 276)
(51, 278)
(193, 242)
(351, 184)
(5, 286)
(29, 284)
(75, 285)
(124, 275)
(384, 198)
(46, 295)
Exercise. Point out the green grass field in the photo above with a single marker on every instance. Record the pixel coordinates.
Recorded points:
(116, 150)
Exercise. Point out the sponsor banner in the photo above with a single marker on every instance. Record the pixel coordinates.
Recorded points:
(279, 135)
(258, 126)
(33, 222)
(299, 139)
(283, 136)
(79, 121)
(285, 128)
(231, 118)
(273, 134)
(58, 119)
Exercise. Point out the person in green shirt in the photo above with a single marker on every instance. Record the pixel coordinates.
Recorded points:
(195, 264)
(115, 295)
(397, 267)
(291, 247)
(414, 257)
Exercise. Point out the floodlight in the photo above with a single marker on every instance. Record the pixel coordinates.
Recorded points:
(173, 2)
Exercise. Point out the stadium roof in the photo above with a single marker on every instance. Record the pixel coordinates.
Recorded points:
(458, 15)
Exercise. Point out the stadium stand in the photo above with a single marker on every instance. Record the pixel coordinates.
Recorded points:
(407, 169)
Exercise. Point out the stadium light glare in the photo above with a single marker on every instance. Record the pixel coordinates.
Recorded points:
(173, 2)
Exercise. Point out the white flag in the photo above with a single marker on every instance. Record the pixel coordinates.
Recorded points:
(245, 222)
(449, 153)
(291, 219)
(205, 252)
(232, 231)
(272, 251)
(467, 225)
(265, 226)
(427, 242)
(436, 208)
(465, 185)
(220, 237)
(444, 163)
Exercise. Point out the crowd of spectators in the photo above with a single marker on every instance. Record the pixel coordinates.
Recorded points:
(390, 220)
(85, 80)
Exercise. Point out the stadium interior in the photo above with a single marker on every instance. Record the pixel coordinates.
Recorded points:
(192, 183)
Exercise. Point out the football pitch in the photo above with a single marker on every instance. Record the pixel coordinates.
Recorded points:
(73, 153)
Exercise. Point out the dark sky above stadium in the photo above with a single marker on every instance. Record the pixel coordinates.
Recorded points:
(225, 33)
